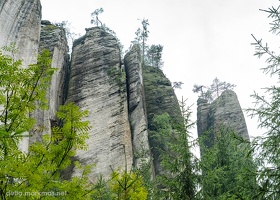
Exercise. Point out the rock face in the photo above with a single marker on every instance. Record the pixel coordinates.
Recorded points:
(160, 98)
(121, 100)
(20, 22)
(225, 111)
(97, 84)
(54, 40)
(137, 107)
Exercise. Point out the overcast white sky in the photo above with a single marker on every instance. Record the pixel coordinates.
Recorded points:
(202, 39)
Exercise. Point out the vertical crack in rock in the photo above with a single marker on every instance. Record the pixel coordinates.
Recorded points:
(53, 39)
(136, 107)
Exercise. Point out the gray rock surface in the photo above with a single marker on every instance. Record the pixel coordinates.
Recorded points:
(97, 84)
(137, 107)
(20, 22)
(225, 111)
(54, 40)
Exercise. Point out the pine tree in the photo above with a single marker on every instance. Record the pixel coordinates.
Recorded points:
(227, 167)
(178, 181)
(266, 109)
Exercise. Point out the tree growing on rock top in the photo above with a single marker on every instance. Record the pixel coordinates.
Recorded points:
(70, 34)
(95, 21)
(94, 17)
(214, 90)
(177, 85)
(154, 55)
(142, 36)
(217, 87)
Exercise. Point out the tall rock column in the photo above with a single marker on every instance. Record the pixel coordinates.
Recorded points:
(136, 107)
(97, 84)
(53, 39)
(225, 111)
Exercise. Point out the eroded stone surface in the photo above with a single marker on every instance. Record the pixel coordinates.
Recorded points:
(97, 84)
(53, 39)
(137, 107)
(225, 112)
(20, 24)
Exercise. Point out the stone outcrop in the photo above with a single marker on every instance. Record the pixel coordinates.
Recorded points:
(137, 107)
(159, 98)
(97, 84)
(225, 112)
(53, 39)
(20, 22)
(121, 100)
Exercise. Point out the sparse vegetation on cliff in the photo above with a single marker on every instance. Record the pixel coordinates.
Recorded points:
(213, 91)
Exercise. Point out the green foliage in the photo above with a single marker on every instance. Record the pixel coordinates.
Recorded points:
(266, 108)
(51, 27)
(36, 174)
(154, 55)
(94, 16)
(142, 36)
(95, 20)
(101, 190)
(38, 171)
(70, 34)
(22, 90)
(179, 179)
(118, 76)
(127, 186)
(213, 91)
(227, 168)
(177, 85)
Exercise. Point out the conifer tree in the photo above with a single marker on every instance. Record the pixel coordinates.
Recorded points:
(266, 109)
(227, 167)
(142, 36)
(94, 16)
(214, 90)
(179, 180)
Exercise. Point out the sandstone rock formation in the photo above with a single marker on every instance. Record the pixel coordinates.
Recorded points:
(159, 98)
(20, 22)
(121, 102)
(225, 111)
(97, 84)
(54, 40)
(137, 107)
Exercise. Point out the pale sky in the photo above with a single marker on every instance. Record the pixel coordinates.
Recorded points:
(202, 39)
